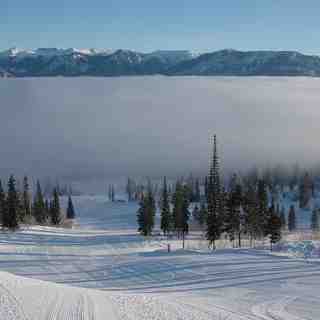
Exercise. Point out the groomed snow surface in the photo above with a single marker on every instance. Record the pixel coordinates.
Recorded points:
(103, 270)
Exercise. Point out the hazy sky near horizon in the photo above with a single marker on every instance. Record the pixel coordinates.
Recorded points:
(99, 128)
(149, 25)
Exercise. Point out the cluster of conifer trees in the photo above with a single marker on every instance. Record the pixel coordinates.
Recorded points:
(18, 206)
(242, 209)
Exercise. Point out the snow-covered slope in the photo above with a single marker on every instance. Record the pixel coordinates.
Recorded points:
(28, 299)
(137, 279)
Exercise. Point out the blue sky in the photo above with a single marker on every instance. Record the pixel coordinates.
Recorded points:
(147, 25)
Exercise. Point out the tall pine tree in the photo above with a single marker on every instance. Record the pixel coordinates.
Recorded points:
(141, 217)
(197, 194)
(39, 210)
(213, 218)
(283, 218)
(274, 228)
(55, 213)
(166, 217)
(2, 202)
(177, 211)
(70, 210)
(26, 203)
(251, 211)
(10, 217)
(263, 213)
(146, 213)
(233, 225)
(292, 219)
(181, 214)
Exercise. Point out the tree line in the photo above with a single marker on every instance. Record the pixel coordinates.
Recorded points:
(19, 207)
(241, 209)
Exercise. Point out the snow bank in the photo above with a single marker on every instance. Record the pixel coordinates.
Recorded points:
(299, 249)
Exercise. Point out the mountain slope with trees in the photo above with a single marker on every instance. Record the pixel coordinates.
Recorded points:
(73, 62)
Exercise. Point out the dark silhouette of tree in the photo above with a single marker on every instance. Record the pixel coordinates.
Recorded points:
(55, 212)
(233, 221)
(26, 202)
(274, 228)
(250, 206)
(213, 218)
(292, 219)
(10, 217)
(283, 218)
(70, 210)
(263, 213)
(2, 202)
(197, 194)
(146, 213)
(166, 217)
(39, 210)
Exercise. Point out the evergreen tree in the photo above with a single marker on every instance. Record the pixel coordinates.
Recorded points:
(292, 219)
(190, 188)
(283, 218)
(315, 220)
(166, 218)
(206, 187)
(181, 202)
(274, 228)
(47, 209)
(141, 217)
(203, 214)
(197, 191)
(2, 202)
(10, 217)
(185, 210)
(146, 213)
(151, 208)
(130, 188)
(26, 200)
(109, 193)
(251, 210)
(112, 193)
(263, 213)
(223, 210)
(234, 223)
(39, 210)
(305, 191)
(70, 210)
(214, 206)
(55, 213)
(230, 221)
(177, 211)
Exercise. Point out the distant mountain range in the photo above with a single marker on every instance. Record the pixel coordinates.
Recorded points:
(47, 62)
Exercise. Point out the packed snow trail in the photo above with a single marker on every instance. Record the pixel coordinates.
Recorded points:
(29, 299)
(60, 270)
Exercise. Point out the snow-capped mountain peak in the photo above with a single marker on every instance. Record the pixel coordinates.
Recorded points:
(15, 52)
(92, 62)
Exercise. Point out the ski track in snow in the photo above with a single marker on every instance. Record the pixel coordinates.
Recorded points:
(104, 270)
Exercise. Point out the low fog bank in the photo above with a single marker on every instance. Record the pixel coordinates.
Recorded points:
(99, 129)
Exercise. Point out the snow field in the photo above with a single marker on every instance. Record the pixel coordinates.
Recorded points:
(137, 279)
